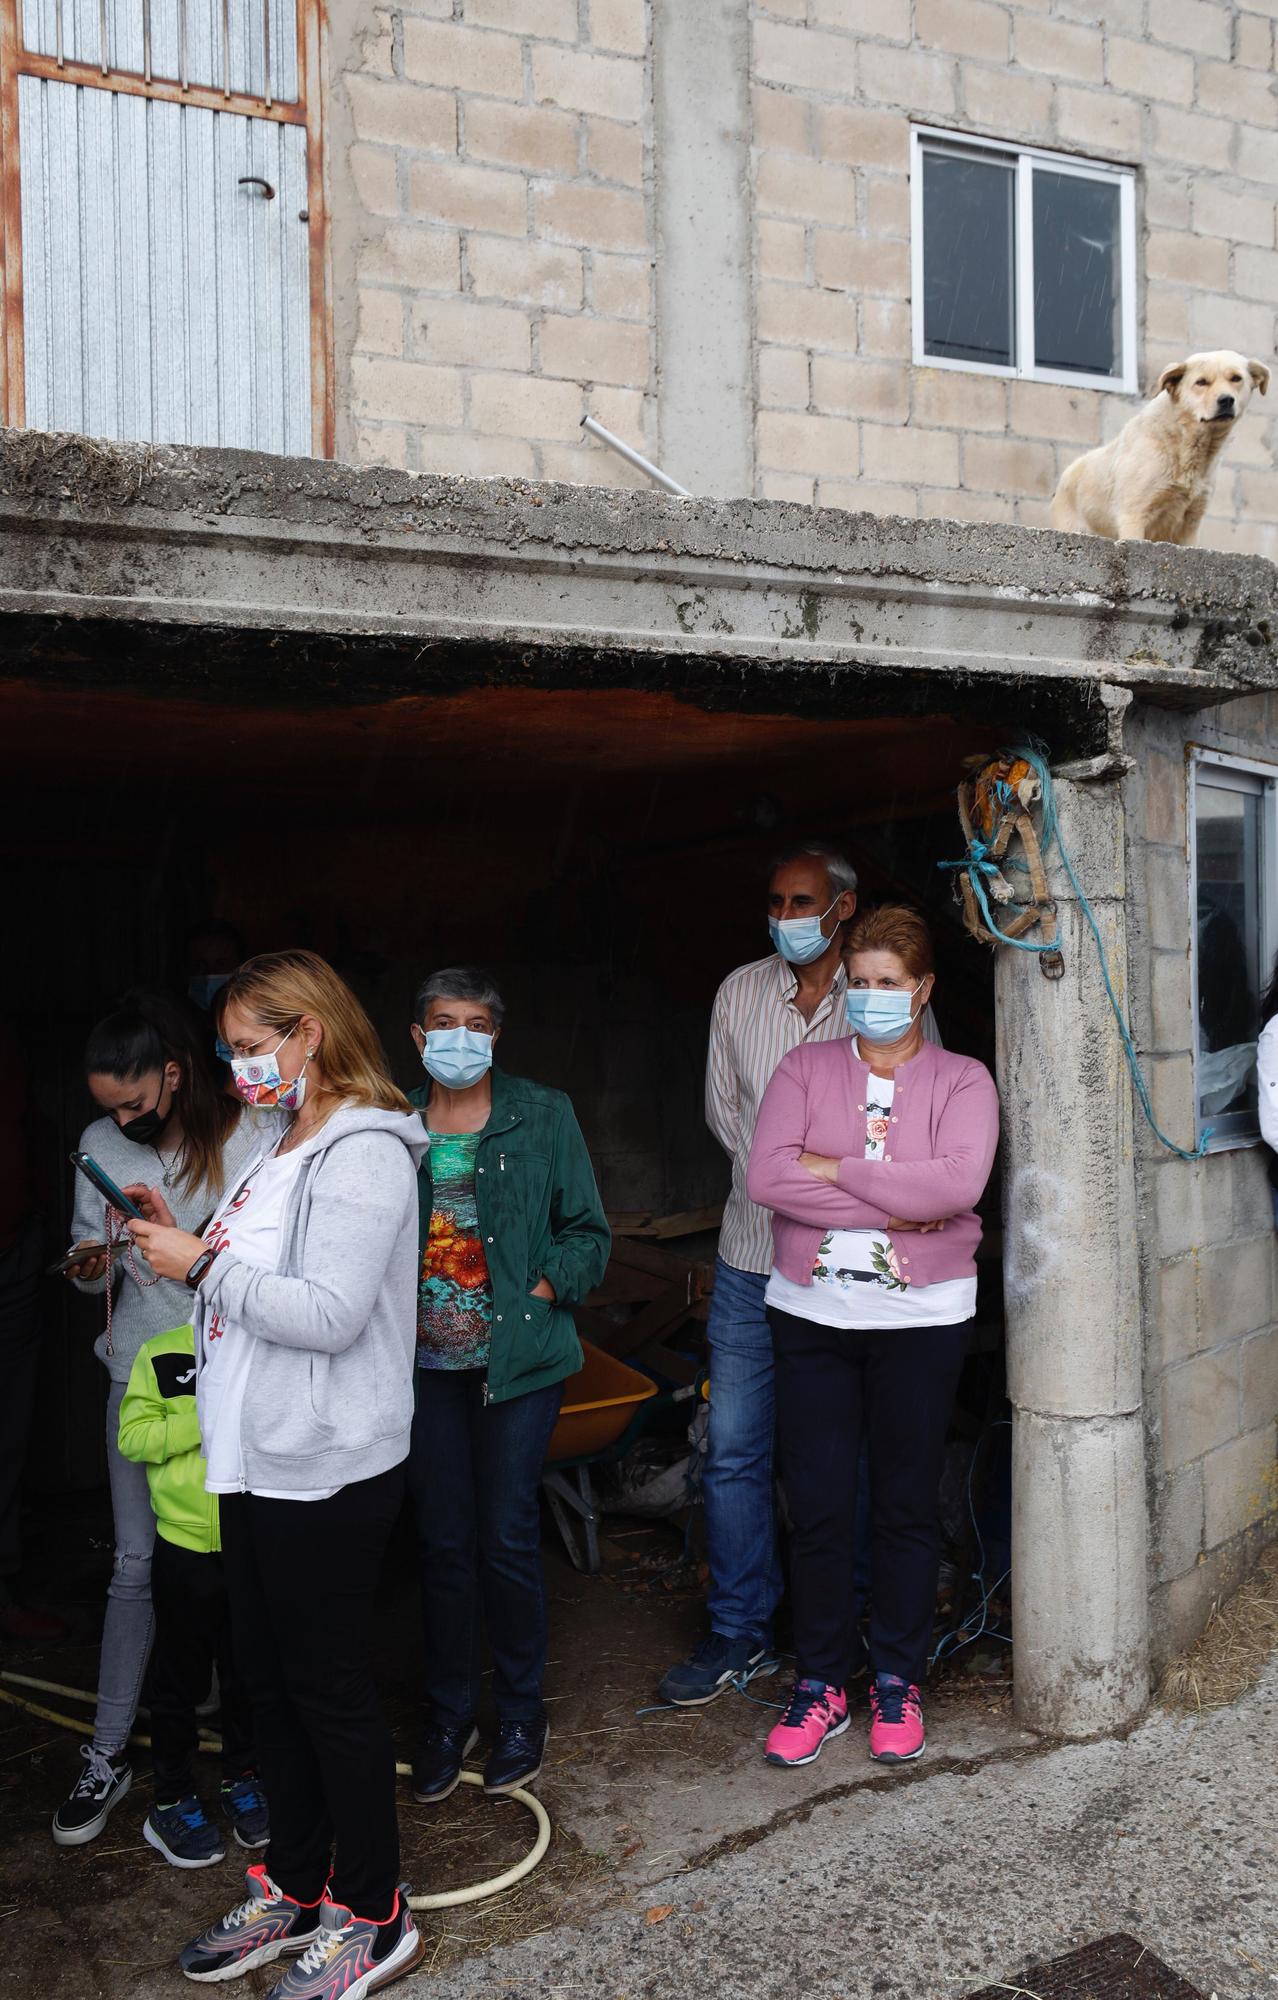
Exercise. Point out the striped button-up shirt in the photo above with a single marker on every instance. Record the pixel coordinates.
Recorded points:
(755, 1021)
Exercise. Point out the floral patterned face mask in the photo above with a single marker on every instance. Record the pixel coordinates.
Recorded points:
(258, 1079)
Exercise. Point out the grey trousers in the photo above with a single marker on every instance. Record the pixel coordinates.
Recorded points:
(129, 1626)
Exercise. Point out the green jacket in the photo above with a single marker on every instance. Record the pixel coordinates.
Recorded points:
(159, 1429)
(539, 1217)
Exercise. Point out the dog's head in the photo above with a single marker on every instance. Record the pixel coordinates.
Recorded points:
(1212, 388)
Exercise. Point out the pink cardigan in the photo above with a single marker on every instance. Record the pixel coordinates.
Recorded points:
(944, 1135)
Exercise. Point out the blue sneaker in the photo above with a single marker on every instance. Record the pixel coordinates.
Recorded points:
(183, 1834)
(244, 1803)
(717, 1664)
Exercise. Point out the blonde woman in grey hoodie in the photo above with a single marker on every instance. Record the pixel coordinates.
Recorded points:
(304, 1305)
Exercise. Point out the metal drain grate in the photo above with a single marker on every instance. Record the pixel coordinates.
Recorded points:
(1114, 1968)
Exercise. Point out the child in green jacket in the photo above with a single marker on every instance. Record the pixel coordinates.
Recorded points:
(159, 1428)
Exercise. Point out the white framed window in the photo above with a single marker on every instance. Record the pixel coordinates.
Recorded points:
(1233, 863)
(1024, 262)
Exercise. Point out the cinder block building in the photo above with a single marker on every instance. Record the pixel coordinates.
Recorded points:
(884, 261)
(907, 256)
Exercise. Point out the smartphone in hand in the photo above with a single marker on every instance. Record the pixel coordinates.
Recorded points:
(114, 1196)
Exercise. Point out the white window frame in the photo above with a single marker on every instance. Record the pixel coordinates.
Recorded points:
(1257, 777)
(929, 138)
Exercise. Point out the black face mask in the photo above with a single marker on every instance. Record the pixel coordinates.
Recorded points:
(146, 1128)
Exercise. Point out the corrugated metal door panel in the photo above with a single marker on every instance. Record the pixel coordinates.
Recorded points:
(246, 24)
(162, 299)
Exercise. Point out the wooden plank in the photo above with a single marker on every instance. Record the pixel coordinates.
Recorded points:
(661, 1228)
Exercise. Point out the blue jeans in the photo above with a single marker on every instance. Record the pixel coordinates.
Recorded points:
(474, 1472)
(745, 1573)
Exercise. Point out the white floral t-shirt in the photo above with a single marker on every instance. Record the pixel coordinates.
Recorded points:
(860, 1278)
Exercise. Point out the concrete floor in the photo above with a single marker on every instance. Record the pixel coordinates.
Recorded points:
(635, 1798)
(927, 1890)
(838, 1883)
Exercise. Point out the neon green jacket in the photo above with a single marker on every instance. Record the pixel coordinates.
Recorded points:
(159, 1429)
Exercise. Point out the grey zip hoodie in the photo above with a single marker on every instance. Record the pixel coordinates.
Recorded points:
(330, 1387)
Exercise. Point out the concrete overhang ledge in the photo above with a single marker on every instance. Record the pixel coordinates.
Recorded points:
(143, 534)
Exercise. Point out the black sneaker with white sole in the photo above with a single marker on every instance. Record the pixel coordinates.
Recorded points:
(437, 1765)
(93, 1798)
(717, 1664)
(516, 1757)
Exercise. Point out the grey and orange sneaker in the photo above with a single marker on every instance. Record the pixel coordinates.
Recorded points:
(268, 1926)
(353, 1957)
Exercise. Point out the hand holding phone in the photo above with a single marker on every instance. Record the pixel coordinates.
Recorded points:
(87, 1261)
(152, 1204)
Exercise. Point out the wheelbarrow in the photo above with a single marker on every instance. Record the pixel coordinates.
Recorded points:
(601, 1416)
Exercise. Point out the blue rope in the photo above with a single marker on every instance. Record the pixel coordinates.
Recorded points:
(979, 865)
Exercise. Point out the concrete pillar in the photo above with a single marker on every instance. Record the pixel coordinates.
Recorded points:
(701, 154)
(1079, 1509)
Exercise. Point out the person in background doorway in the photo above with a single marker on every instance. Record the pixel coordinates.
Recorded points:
(513, 1235)
(165, 1120)
(159, 1428)
(1267, 1081)
(301, 1291)
(872, 1156)
(21, 1257)
(789, 999)
(213, 950)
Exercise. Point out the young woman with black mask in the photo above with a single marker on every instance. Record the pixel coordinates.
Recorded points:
(165, 1122)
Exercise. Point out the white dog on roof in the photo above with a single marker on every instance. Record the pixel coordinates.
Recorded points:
(1152, 483)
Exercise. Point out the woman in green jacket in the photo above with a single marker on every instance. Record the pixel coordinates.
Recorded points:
(512, 1236)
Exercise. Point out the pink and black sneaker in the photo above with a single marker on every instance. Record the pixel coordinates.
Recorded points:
(816, 1711)
(897, 1735)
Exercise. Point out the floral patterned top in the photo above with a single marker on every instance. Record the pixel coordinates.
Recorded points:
(454, 1298)
(858, 1279)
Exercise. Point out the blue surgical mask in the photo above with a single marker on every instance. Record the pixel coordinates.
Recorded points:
(800, 939)
(880, 1013)
(457, 1057)
(204, 987)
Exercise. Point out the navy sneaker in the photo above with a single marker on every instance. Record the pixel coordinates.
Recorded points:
(438, 1764)
(718, 1663)
(516, 1756)
(244, 1803)
(183, 1834)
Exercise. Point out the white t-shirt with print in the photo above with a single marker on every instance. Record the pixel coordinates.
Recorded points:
(248, 1223)
(858, 1278)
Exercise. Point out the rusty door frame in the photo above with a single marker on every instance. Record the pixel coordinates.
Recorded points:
(16, 61)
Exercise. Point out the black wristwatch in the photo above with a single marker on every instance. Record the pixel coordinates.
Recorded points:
(198, 1269)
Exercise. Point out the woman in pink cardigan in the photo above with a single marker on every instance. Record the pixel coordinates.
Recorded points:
(872, 1154)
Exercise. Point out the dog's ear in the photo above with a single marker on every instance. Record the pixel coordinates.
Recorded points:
(1259, 375)
(1171, 379)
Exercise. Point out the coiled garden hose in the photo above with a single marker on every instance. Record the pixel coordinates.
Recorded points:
(448, 1899)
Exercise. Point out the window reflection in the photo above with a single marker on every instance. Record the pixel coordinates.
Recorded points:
(1228, 827)
(1077, 284)
(968, 258)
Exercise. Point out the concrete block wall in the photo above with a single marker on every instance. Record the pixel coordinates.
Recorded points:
(492, 240)
(1182, 89)
(492, 168)
(1206, 1243)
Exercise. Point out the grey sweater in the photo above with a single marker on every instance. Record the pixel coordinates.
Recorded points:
(330, 1388)
(138, 1311)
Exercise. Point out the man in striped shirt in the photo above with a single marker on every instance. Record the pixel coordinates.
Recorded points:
(794, 995)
